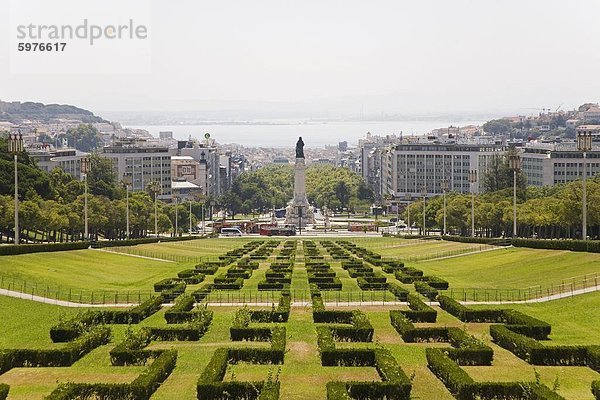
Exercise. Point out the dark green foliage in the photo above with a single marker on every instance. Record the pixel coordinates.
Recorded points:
(596, 389)
(398, 291)
(134, 242)
(9, 250)
(140, 389)
(535, 352)
(419, 311)
(166, 284)
(482, 240)
(518, 321)
(594, 358)
(462, 386)
(61, 357)
(592, 246)
(66, 331)
(4, 388)
(181, 311)
(410, 333)
(426, 290)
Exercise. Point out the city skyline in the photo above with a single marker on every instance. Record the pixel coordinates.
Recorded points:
(334, 59)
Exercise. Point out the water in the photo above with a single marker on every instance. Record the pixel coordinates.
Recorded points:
(285, 134)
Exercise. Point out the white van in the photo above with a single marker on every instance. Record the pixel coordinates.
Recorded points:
(231, 232)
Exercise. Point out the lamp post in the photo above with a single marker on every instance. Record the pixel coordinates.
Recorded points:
(300, 220)
(408, 199)
(15, 146)
(202, 218)
(85, 169)
(154, 187)
(472, 181)
(424, 193)
(584, 144)
(444, 190)
(190, 217)
(176, 218)
(514, 161)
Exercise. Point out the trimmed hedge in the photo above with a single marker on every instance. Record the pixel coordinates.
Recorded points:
(166, 284)
(66, 331)
(481, 240)
(463, 387)
(4, 389)
(14, 249)
(398, 291)
(419, 311)
(596, 389)
(141, 388)
(517, 321)
(535, 352)
(592, 246)
(61, 357)
(133, 242)
(426, 290)
(411, 334)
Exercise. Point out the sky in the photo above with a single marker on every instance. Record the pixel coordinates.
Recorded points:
(337, 58)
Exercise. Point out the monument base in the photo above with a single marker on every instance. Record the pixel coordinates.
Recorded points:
(293, 212)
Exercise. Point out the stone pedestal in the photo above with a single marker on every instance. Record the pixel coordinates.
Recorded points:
(298, 211)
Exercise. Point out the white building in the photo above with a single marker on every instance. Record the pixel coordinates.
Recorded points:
(138, 162)
(411, 169)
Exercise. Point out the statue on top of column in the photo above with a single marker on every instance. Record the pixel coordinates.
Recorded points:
(300, 148)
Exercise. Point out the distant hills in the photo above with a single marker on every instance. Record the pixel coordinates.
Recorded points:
(16, 111)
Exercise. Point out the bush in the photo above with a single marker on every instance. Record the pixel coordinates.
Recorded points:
(419, 311)
(398, 291)
(4, 388)
(426, 290)
(166, 284)
(10, 250)
(594, 358)
(61, 357)
(595, 389)
(411, 334)
(592, 246)
(65, 331)
(180, 312)
(141, 388)
(481, 240)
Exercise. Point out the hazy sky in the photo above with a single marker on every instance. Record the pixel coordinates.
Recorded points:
(375, 56)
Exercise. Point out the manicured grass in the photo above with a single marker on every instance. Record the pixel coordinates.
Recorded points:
(512, 268)
(192, 248)
(85, 269)
(414, 248)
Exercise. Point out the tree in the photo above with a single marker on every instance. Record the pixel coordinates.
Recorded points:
(498, 127)
(102, 179)
(498, 174)
(342, 193)
(85, 137)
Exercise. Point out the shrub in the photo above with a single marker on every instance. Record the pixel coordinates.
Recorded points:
(4, 388)
(482, 240)
(61, 357)
(595, 389)
(141, 388)
(166, 284)
(10, 250)
(426, 290)
(180, 312)
(419, 311)
(592, 246)
(411, 334)
(398, 291)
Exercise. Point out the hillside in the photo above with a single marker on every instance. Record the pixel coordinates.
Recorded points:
(16, 111)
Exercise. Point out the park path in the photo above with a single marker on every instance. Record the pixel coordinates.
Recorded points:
(64, 303)
(132, 255)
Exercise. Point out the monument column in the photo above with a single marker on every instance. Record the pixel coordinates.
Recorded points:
(298, 208)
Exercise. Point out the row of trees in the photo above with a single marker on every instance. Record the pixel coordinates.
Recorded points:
(273, 186)
(549, 212)
(51, 204)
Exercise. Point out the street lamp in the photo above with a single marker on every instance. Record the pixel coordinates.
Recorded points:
(472, 181)
(154, 187)
(85, 169)
(424, 193)
(190, 217)
(408, 199)
(126, 186)
(514, 161)
(584, 144)
(15, 146)
(176, 218)
(444, 190)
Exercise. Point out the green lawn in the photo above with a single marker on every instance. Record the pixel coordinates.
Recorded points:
(84, 269)
(26, 323)
(414, 248)
(512, 268)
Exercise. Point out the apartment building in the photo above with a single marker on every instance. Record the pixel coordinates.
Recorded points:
(139, 162)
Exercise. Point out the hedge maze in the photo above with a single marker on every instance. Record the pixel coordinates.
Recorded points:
(445, 333)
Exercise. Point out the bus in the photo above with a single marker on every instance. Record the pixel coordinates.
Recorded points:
(233, 231)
